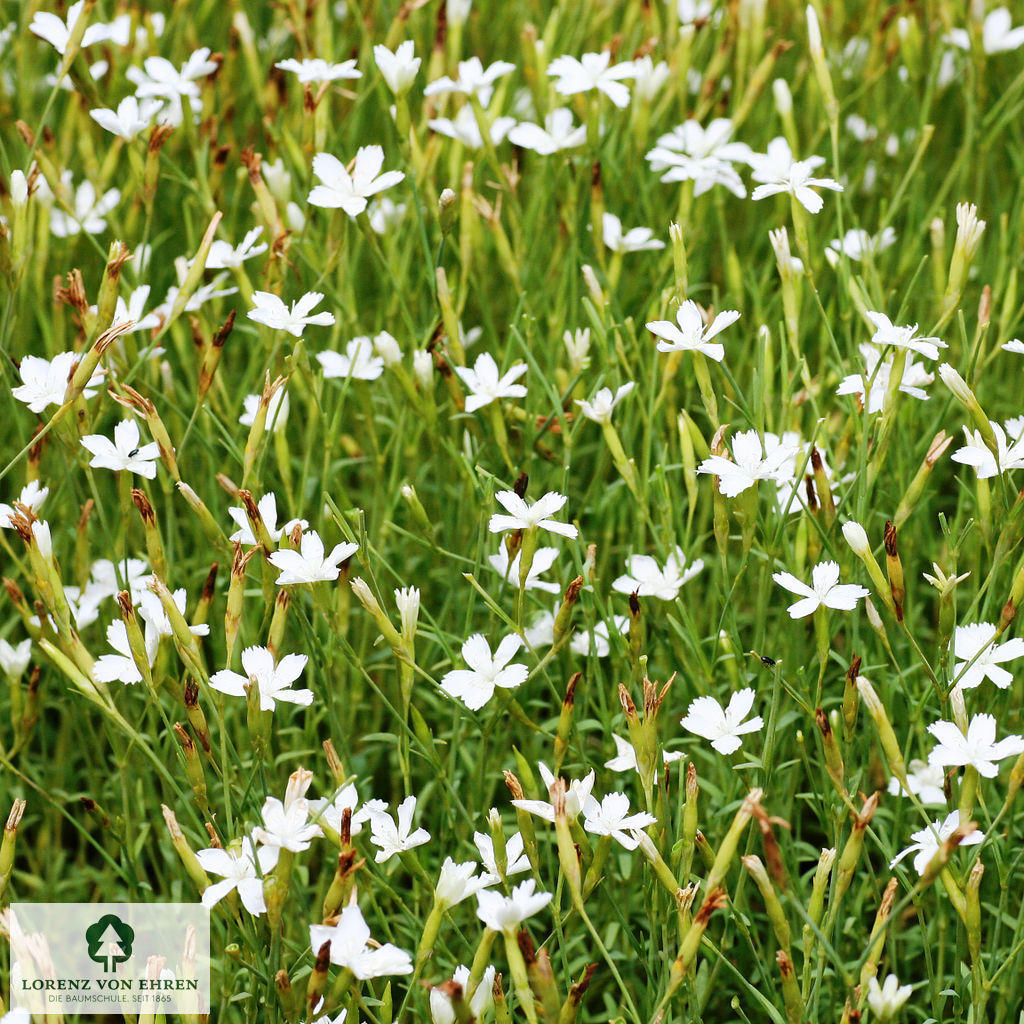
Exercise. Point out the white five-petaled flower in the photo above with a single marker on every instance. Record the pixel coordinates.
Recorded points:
(487, 384)
(600, 409)
(559, 132)
(121, 666)
(32, 497)
(316, 69)
(779, 172)
(130, 118)
(267, 508)
(825, 590)
(857, 243)
(997, 33)
(273, 679)
(705, 156)
(466, 128)
(286, 825)
(506, 913)
(471, 79)
(271, 311)
(1009, 445)
(978, 748)
(634, 240)
(14, 658)
(457, 882)
(645, 577)
(723, 726)
(596, 641)
(924, 781)
(124, 452)
(351, 947)
(886, 333)
(877, 373)
(926, 843)
(610, 817)
(522, 516)
(749, 463)
(592, 71)
(331, 812)
(688, 333)
(358, 362)
(398, 69)
(88, 211)
(625, 757)
(309, 564)
(45, 381)
(885, 1000)
(223, 255)
(974, 645)
(393, 836)
(480, 1002)
(238, 869)
(58, 33)
(350, 189)
(277, 410)
(475, 685)
(577, 792)
(543, 559)
(516, 861)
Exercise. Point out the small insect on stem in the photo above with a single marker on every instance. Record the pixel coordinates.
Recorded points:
(763, 658)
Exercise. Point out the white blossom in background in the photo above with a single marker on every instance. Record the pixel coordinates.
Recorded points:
(31, 496)
(130, 117)
(152, 612)
(600, 409)
(886, 333)
(997, 34)
(924, 781)
(1014, 345)
(722, 726)
(625, 757)
(872, 385)
(1009, 445)
(486, 383)
(15, 658)
(348, 189)
(58, 33)
(271, 311)
(120, 666)
(398, 69)
(358, 362)
(385, 215)
(315, 70)
(88, 212)
(633, 240)
(857, 244)
(649, 78)
(559, 132)
(577, 792)
(647, 579)
(825, 590)
(134, 310)
(506, 913)
(596, 640)
(465, 128)
(331, 812)
(885, 1000)
(688, 333)
(277, 410)
(978, 748)
(705, 156)
(543, 559)
(395, 835)
(267, 506)
(457, 882)
(224, 255)
(475, 685)
(516, 861)
(126, 451)
(925, 844)
(310, 564)
(159, 78)
(749, 464)
(44, 382)
(353, 949)
(592, 71)
(471, 79)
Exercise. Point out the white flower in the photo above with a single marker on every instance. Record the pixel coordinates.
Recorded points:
(1014, 345)
(238, 868)
(543, 559)
(267, 507)
(121, 667)
(577, 792)
(506, 913)
(153, 613)
(286, 825)
(978, 748)
(130, 118)
(386, 346)
(351, 947)
(45, 382)
(691, 334)
(625, 757)
(88, 212)
(475, 685)
(723, 726)
(877, 372)
(317, 70)
(385, 215)
(924, 781)
(466, 128)
(926, 843)
(857, 243)
(516, 861)
(611, 817)
(58, 33)
(273, 679)
(600, 410)
(133, 310)
(223, 255)
(277, 410)
(597, 641)
(124, 452)
(825, 589)
(398, 69)
(886, 333)
(480, 1003)
(457, 882)
(793, 176)
(309, 564)
(648, 77)
(471, 79)
(592, 71)
(559, 132)
(358, 362)
(634, 240)
(978, 454)
(704, 156)
(271, 311)
(107, 579)
(885, 999)
(347, 189)
(749, 463)
(997, 34)
(159, 77)
(331, 812)
(487, 384)
(525, 517)
(395, 837)
(646, 578)
(975, 642)
(14, 659)
(31, 497)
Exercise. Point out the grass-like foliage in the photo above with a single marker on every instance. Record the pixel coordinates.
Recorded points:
(527, 486)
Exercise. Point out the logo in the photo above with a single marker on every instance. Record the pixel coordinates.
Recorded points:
(110, 942)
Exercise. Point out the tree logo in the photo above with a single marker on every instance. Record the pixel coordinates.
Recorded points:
(110, 941)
